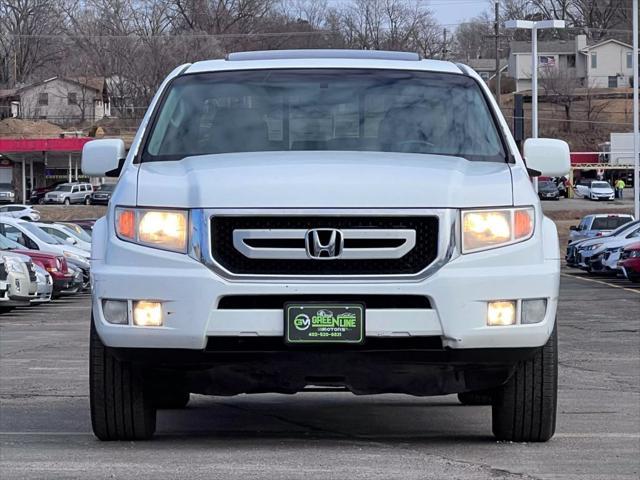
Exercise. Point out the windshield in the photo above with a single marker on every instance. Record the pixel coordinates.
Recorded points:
(547, 185)
(63, 188)
(600, 185)
(307, 110)
(609, 223)
(39, 233)
(106, 188)
(624, 227)
(78, 232)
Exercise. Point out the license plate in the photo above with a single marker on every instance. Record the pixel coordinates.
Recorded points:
(324, 323)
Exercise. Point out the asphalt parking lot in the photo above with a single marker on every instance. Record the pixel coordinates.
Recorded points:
(45, 429)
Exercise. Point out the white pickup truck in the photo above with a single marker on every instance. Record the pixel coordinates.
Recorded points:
(295, 219)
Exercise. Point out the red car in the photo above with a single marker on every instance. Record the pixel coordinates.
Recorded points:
(630, 262)
(56, 265)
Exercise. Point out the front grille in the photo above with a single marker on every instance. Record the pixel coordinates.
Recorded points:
(416, 260)
(32, 272)
(270, 302)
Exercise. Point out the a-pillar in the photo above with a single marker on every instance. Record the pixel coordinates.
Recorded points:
(70, 169)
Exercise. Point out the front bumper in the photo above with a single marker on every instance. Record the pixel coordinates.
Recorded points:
(457, 293)
(49, 200)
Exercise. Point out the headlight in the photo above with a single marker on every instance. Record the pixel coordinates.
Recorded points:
(165, 229)
(14, 265)
(484, 229)
(593, 247)
(634, 254)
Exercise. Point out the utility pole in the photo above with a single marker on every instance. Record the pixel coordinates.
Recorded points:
(444, 45)
(496, 34)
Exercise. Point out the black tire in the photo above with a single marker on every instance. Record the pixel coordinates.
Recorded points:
(173, 400)
(6, 309)
(41, 201)
(475, 398)
(524, 409)
(67, 201)
(120, 409)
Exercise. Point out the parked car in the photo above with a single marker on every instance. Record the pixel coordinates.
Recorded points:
(102, 195)
(589, 253)
(56, 265)
(7, 193)
(597, 225)
(65, 235)
(34, 238)
(44, 286)
(630, 262)
(85, 225)
(18, 283)
(24, 212)
(595, 190)
(548, 190)
(68, 193)
(37, 194)
(84, 234)
(328, 186)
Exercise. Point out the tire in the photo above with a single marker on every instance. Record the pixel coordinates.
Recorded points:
(67, 201)
(524, 409)
(172, 400)
(6, 309)
(87, 201)
(41, 201)
(120, 408)
(475, 398)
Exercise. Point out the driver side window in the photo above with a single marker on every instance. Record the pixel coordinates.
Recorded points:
(17, 236)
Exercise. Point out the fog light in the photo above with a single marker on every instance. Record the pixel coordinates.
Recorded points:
(534, 310)
(501, 313)
(115, 311)
(147, 314)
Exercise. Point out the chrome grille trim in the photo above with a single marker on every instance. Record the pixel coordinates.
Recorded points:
(200, 243)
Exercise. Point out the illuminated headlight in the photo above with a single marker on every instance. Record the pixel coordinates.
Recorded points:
(165, 229)
(501, 313)
(147, 314)
(484, 229)
(13, 265)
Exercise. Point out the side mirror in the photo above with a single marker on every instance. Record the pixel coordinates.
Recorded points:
(574, 228)
(548, 156)
(71, 241)
(103, 158)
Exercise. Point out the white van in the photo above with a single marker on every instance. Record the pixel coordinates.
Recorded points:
(352, 219)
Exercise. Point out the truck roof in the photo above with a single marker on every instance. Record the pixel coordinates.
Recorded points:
(323, 59)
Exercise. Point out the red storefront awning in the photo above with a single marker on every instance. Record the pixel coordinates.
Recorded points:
(23, 145)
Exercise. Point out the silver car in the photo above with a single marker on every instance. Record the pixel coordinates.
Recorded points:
(18, 281)
(45, 285)
(68, 193)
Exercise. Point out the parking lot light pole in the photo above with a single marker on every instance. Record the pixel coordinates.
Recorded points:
(636, 115)
(534, 27)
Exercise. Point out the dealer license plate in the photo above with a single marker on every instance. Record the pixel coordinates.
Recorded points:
(324, 323)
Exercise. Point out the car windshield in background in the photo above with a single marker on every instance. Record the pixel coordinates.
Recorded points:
(609, 223)
(106, 188)
(600, 185)
(6, 186)
(310, 110)
(547, 185)
(79, 232)
(41, 234)
(63, 188)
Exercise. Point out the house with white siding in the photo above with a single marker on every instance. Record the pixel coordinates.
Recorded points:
(606, 64)
(65, 100)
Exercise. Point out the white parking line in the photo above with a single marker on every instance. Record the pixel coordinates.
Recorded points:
(568, 275)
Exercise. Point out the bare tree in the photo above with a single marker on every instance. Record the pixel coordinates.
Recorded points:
(560, 86)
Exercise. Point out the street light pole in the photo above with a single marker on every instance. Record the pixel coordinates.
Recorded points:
(636, 115)
(534, 27)
(534, 81)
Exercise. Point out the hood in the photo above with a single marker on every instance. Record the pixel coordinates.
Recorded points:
(324, 179)
(37, 254)
(11, 253)
(602, 190)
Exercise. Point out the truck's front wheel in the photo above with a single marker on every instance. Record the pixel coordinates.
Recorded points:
(120, 409)
(524, 409)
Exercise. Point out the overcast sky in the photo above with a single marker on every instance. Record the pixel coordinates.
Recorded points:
(456, 11)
